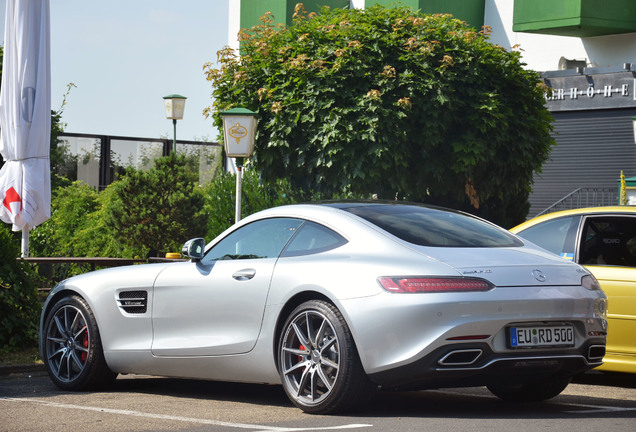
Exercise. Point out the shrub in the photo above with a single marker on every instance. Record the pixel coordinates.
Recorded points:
(154, 211)
(256, 195)
(220, 199)
(386, 100)
(19, 305)
(61, 234)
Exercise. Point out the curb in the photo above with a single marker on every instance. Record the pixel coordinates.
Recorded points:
(12, 369)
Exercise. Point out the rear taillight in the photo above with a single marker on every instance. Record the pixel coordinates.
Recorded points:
(411, 284)
(590, 282)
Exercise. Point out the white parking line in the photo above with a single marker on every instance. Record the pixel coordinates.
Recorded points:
(259, 428)
(595, 408)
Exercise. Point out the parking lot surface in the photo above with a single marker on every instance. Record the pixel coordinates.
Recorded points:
(30, 402)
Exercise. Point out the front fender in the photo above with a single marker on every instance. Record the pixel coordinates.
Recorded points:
(119, 330)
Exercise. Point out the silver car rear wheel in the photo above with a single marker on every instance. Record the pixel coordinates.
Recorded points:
(319, 364)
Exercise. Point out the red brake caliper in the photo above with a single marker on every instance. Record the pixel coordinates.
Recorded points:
(85, 345)
(300, 358)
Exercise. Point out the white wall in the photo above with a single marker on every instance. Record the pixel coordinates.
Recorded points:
(234, 23)
(542, 52)
(539, 52)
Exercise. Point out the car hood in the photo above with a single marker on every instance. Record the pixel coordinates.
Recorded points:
(133, 276)
(522, 266)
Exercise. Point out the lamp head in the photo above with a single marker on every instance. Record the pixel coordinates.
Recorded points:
(175, 106)
(239, 132)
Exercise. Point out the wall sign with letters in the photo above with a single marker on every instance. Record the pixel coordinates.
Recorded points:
(591, 91)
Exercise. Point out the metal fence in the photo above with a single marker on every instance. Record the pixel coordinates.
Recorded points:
(98, 160)
(585, 197)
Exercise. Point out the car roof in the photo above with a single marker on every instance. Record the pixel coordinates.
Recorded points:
(575, 212)
(375, 202)
(339, 206)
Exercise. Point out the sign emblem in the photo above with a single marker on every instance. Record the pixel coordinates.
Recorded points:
(238, 132)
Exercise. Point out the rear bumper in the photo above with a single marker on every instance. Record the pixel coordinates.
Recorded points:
(475, 364)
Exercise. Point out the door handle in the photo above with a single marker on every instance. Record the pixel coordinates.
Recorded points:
(245, 274)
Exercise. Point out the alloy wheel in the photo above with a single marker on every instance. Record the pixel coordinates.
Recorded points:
(310, 357)
(67, 343)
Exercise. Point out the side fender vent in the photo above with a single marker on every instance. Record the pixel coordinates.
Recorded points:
(133, 302)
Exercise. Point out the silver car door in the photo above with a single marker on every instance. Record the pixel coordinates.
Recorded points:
(215, 309)
(216, 306)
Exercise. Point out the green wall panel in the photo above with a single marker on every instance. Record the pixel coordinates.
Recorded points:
(471, 11)
(283, 10)
(579, 18)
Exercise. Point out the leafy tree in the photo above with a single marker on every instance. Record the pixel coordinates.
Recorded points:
(256, 195)
(155, 211)
(19, 305)
(220, 201)
(73, 230)
(62, 162)
(61, 234)
(392, 102)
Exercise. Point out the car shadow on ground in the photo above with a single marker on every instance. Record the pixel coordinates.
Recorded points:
(457, 403)
(479, 404)
(468, 403)
(611, 379)
(260, 394)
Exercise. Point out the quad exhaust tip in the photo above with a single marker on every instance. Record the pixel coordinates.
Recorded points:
(596, 352)
(460, 357)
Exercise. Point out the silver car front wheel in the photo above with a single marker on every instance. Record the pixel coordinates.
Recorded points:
(72, 350)
(319, 364)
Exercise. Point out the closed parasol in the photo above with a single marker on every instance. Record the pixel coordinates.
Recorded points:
(25, 117)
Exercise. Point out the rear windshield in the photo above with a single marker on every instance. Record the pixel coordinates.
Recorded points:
(429, 226)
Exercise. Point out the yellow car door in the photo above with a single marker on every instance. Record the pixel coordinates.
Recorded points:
(619, 283)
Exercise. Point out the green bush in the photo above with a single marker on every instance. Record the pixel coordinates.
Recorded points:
(145, 213)
(61, 234)
(64, 234)
(19, 305)
(256, 195)
(155, 211)
(386, 100)
(220, 199)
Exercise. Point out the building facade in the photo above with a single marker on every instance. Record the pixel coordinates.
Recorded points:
(585, 51)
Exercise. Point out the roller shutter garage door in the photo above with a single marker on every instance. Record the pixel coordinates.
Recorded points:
(592, 149)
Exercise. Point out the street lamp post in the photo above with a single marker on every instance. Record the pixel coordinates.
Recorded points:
(175, 106)
(239, 131)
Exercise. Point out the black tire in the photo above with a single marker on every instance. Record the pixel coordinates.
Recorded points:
(72, 349)
(530, 392)
(318, 361)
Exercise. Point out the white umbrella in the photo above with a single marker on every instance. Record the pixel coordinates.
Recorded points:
(25, 117)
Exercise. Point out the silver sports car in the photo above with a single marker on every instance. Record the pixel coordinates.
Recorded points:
(332, 301)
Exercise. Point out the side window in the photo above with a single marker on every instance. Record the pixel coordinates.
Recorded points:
(557, 236)
(313, 238)
(608, 240)
(261, 239)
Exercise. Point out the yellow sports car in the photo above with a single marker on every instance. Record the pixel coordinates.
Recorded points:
(603, 239)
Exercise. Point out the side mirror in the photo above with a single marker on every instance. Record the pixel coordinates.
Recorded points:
(194, 249)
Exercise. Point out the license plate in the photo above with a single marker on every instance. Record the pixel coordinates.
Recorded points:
(528, 337)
